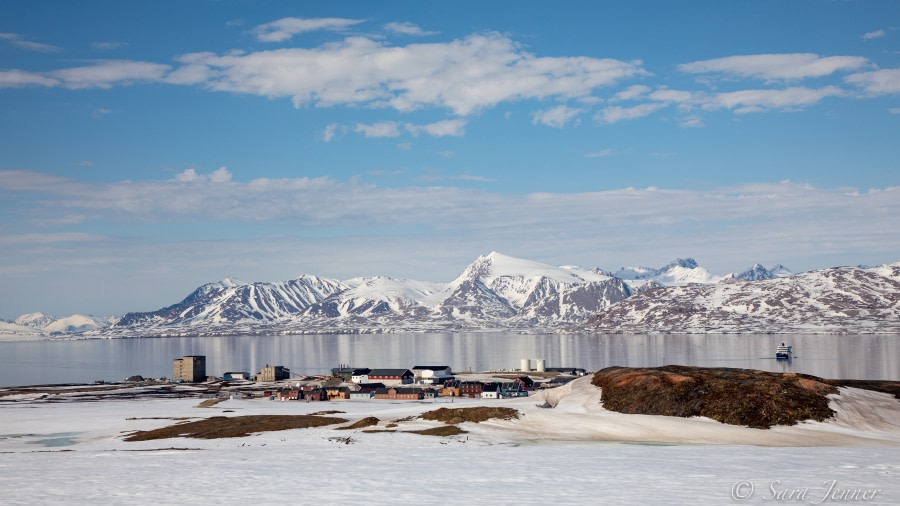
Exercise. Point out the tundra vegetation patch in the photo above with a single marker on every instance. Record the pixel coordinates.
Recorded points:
(235, 426)
(365, 422)
(453, 416)
(746, 397)
(444, 430)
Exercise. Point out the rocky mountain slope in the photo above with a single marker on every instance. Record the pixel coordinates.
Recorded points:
(497, 291)
(836, 300)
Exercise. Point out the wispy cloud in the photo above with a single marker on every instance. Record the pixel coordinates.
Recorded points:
(777, 220)
(108, 73)
(20, 41)
(877, 82)
(51, 238)
(285, 28)
(877, 34)
(330, 131)
(378, 130)
(21, 78)
(748, 101)
(603, 153)
(108, 45)
(444, 128)
(555, 117)
(617, 113)
(632, 92)
(406, 28)
(465, 75)
(776, 67)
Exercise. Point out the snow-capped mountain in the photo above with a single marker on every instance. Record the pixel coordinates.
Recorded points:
(497, 291)
(41, 323)
(230, 301)
(680, 271)
(529, 291)
(840, 299)
(759, 273)
(35, 320)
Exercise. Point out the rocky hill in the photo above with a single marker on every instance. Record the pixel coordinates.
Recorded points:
(836, 300)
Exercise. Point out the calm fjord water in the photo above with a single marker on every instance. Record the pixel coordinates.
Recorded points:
(829, 356)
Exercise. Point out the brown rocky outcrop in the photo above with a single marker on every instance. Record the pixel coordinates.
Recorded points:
(746, 397)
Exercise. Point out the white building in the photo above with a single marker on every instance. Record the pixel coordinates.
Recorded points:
(431, 373)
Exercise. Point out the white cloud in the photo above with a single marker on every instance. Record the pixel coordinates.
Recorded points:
(691, 122)
(218, 176)
(406, 28)
(632, 92)
(877, 82)
(58, 237)
(667, 95)
(380, 129)
(19, 78)
(18, 40)
(465, 75)
(748, 101)
(285, 28)
(894, 110)
(445, 128)
(778, 220)
(600, 154)
(617, 113)
(556, 117)
(329, 132)
(475, 178)
(877, 34)
(108, 45)
(773, 67)
(105, 74)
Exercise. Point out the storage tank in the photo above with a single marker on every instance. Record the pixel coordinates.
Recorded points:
(540, 365)
(526, 365)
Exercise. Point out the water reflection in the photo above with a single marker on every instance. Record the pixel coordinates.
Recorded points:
(852, 357)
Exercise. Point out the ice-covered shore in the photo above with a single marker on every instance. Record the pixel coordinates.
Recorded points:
(73, 452)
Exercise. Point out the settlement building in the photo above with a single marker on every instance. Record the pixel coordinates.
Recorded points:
(190, 368)
(390, 377)
(273, 373)
(432, 373)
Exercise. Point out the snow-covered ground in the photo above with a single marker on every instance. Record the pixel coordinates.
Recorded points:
(575, 452)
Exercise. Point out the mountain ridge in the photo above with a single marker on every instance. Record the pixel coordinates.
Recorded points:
(497, 291)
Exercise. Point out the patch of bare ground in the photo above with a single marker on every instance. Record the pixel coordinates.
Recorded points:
(236, 426)
(328, 412)
(445, 430)
(376, 431)
(746, 397)
(365, 422)
(208, 403)
(452, 416)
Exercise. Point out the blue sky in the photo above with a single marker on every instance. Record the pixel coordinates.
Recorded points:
(149, 147)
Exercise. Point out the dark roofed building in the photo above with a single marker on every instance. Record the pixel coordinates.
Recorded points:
(391, 376)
